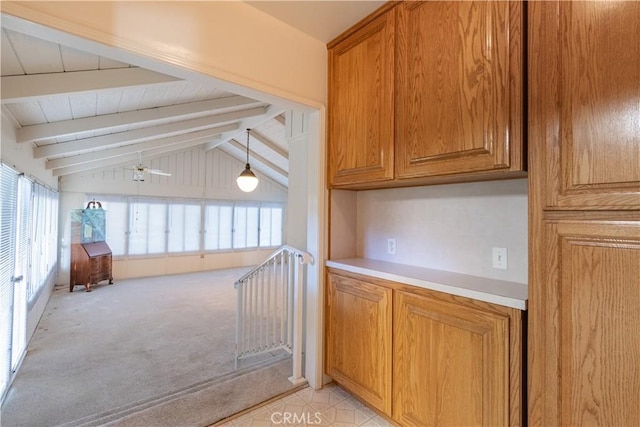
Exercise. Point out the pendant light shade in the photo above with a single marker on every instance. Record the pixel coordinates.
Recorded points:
(247, 181)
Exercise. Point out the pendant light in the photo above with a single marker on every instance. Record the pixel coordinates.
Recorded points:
(247, 181)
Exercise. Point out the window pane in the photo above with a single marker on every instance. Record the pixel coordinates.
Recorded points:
(240, 227)
(192, 228)
(225, 230)
(116, 223)
(176, 228)
(270, 226)
(212, 225)
(252, 227)
(218, 227)
(276, 226)
(8, 208)
(184, 227)
(148, 228)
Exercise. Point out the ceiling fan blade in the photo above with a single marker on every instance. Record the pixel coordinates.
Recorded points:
(158, 172)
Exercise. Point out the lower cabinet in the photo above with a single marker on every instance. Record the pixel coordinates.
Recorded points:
(455, 361)
(358, 339)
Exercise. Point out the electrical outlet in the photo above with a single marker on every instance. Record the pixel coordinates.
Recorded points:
(391, 246)
(500, 258)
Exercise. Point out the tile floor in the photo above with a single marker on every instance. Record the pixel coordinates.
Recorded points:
(329, 407)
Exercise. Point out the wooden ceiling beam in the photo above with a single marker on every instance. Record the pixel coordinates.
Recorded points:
(114, 161)
(249, 123)
(280, 119)
(145, 134)
(269, 144)
(259, 158)
(206, 135)
(68, 127)
(32, 87)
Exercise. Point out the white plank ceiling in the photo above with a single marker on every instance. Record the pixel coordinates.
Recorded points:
(81, 111)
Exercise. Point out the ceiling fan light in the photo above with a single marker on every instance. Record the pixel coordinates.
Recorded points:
(138, 175)
(247, 181)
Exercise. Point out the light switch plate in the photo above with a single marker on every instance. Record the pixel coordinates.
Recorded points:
(499, 258)
(391, 246)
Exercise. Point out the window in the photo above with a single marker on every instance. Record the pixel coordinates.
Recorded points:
(117, 224)
(245, 227)
(148, 228)
(28, 254)
(270, 226)
(184, 227)
(218, 230)
(44, 236)
(8, 207)
(155, 226)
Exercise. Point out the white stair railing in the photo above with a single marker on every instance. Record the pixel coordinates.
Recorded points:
(269, 312)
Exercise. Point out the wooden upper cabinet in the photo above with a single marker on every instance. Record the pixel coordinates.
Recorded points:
(359, 338)
(586, 119)
(459, 88)
(361, 122)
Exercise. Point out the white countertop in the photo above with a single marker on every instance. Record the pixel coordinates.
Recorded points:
(501, 292)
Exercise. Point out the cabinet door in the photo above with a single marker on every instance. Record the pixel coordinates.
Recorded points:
(361, 70)
(451, 364)
(586, 118)
(585, 325)
(358, 339)
(459, 87)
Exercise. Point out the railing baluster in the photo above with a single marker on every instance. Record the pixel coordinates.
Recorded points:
(283, 299)
(290, 301)
(269, 319)
(269, 308)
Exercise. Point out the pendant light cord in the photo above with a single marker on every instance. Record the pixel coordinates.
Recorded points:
(248, 146)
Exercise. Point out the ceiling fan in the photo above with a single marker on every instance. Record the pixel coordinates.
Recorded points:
(140, 170)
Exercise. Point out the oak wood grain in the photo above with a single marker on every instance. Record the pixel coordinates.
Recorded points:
(584, 214)
(361, 120)
(458, 88)
(454, 328)
(594, 155)
(359, 338)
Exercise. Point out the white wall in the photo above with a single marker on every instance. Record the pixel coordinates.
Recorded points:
(448, 227)
(297, 214)
(195, 173)
(20, 156)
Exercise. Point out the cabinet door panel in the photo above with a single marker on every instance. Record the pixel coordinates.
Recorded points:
(586, 325)
(456, 88)
(361, 121)
(359, 339)
(587, 120)
(451, 363)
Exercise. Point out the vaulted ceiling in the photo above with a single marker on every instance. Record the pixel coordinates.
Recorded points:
(82, 111)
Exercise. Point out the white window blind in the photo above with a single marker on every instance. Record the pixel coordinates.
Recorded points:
(117, 222)
(184, 227)
(245, 226)
(148, 227)
(153, 226)
(218, 227)
(270, 226)
(21, 269)
(8, 205)
(44, 237)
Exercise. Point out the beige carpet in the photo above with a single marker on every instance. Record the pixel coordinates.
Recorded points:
(143, 350)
